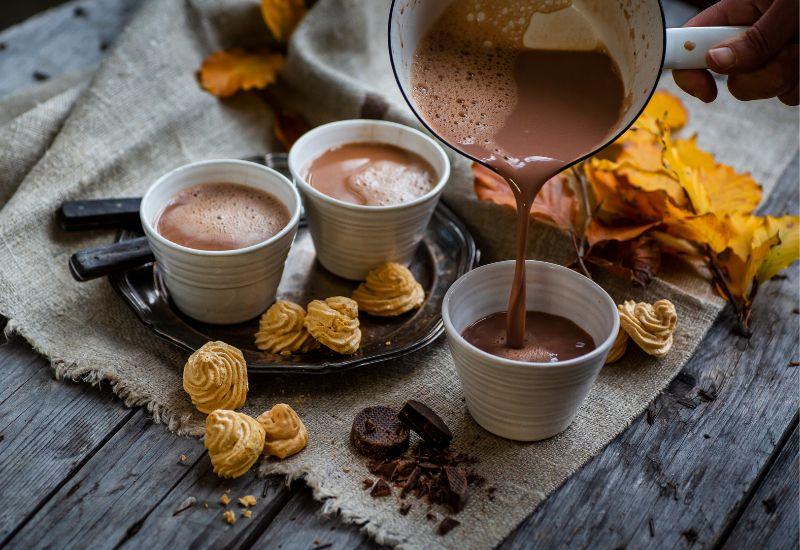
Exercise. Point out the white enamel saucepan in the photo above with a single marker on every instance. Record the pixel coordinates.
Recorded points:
(633, 32)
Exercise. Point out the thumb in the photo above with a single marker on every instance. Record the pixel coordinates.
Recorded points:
(759, 44)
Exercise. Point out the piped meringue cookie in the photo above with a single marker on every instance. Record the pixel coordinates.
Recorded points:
(285, 432)
(650, 326)
(234, 441)
(618, 348)
(282, 330)
(334, 322)
(389, 290)
(215, 377)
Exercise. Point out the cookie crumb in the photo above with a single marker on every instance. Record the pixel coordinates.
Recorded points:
(225, 499)
(247, 513)
(230, 517)
(247, 501)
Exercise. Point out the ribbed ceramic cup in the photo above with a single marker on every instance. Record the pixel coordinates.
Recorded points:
(221, 286)
(514, 399)
(350, 239)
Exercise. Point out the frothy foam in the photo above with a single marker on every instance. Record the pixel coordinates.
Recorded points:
(221, 216)
(374, 174)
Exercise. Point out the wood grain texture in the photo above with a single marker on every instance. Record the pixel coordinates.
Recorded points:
(300, 525)
(49, 430)
(199, 527)
(72, 37)
(770, 519)
(683, 469)
(128, 492)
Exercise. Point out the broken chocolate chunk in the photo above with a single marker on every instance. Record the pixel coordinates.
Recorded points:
(429, 425)
(380, 489)
(447, 525)
(378, 433)
(366, 483)
(457, 488)
(411, 482)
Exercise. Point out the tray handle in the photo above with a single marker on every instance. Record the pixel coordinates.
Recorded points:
(100, 214)
(92, 263)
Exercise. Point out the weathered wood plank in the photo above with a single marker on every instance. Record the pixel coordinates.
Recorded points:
(199, 527)
(681, 473)
(128, 492)
(770, 519)
(18, 364)
(68, 38)
(300, 525)
(49, 429)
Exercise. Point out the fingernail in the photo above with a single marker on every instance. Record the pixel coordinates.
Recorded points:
(723, 57)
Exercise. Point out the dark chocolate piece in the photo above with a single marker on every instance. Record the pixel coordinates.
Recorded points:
(381, 489)
(457, 488)
(411, 482)
(429, 425)
(447, 525)
(367, 483)
(378, 433)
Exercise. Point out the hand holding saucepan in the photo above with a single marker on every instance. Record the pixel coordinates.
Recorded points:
(761, 63)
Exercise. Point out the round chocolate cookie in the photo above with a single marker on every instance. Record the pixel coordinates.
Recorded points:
(378, 433)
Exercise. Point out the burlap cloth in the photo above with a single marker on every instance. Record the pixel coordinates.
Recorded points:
(144, 113)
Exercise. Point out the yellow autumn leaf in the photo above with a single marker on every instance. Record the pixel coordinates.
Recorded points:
(686, 175)
(665, 106)
(728, 191)
(743, 228)
(227, 72)
(703, 229)
(783, 253)
(741, 273)
(282, 16)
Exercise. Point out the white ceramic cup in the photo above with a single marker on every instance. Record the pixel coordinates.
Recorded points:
(221, 286)
(515, 399)
(350, 239)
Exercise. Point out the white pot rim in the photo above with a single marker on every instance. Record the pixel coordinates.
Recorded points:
(296, 171)
(290, 226)
(497, 361)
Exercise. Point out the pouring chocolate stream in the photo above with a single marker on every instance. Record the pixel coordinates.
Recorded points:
(526, 114)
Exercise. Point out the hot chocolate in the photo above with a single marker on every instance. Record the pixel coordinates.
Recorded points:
(374, 174)
(547, 338)
(524, 113)
(221, 216)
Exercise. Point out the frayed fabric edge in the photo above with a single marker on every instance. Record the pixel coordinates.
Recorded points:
(63, 370)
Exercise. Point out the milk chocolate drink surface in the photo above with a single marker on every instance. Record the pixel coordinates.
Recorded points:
(547, 338)
(525, 113)
(221, 216)
(374, 174)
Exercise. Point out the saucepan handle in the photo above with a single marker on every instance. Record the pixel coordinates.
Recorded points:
(97, 262)
(686, 47)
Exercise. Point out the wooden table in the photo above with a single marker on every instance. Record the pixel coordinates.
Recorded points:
(713, 462)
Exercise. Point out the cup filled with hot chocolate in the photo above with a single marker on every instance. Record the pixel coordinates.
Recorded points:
(369, 189)
(221, 231)
(532, 391)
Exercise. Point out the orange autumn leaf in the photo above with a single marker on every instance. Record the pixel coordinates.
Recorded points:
(490, 187)
(288, 128)
(282, 16)
(703, 229)
(556, 203)
(598, 232)
(665, 106)
(227, 72)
